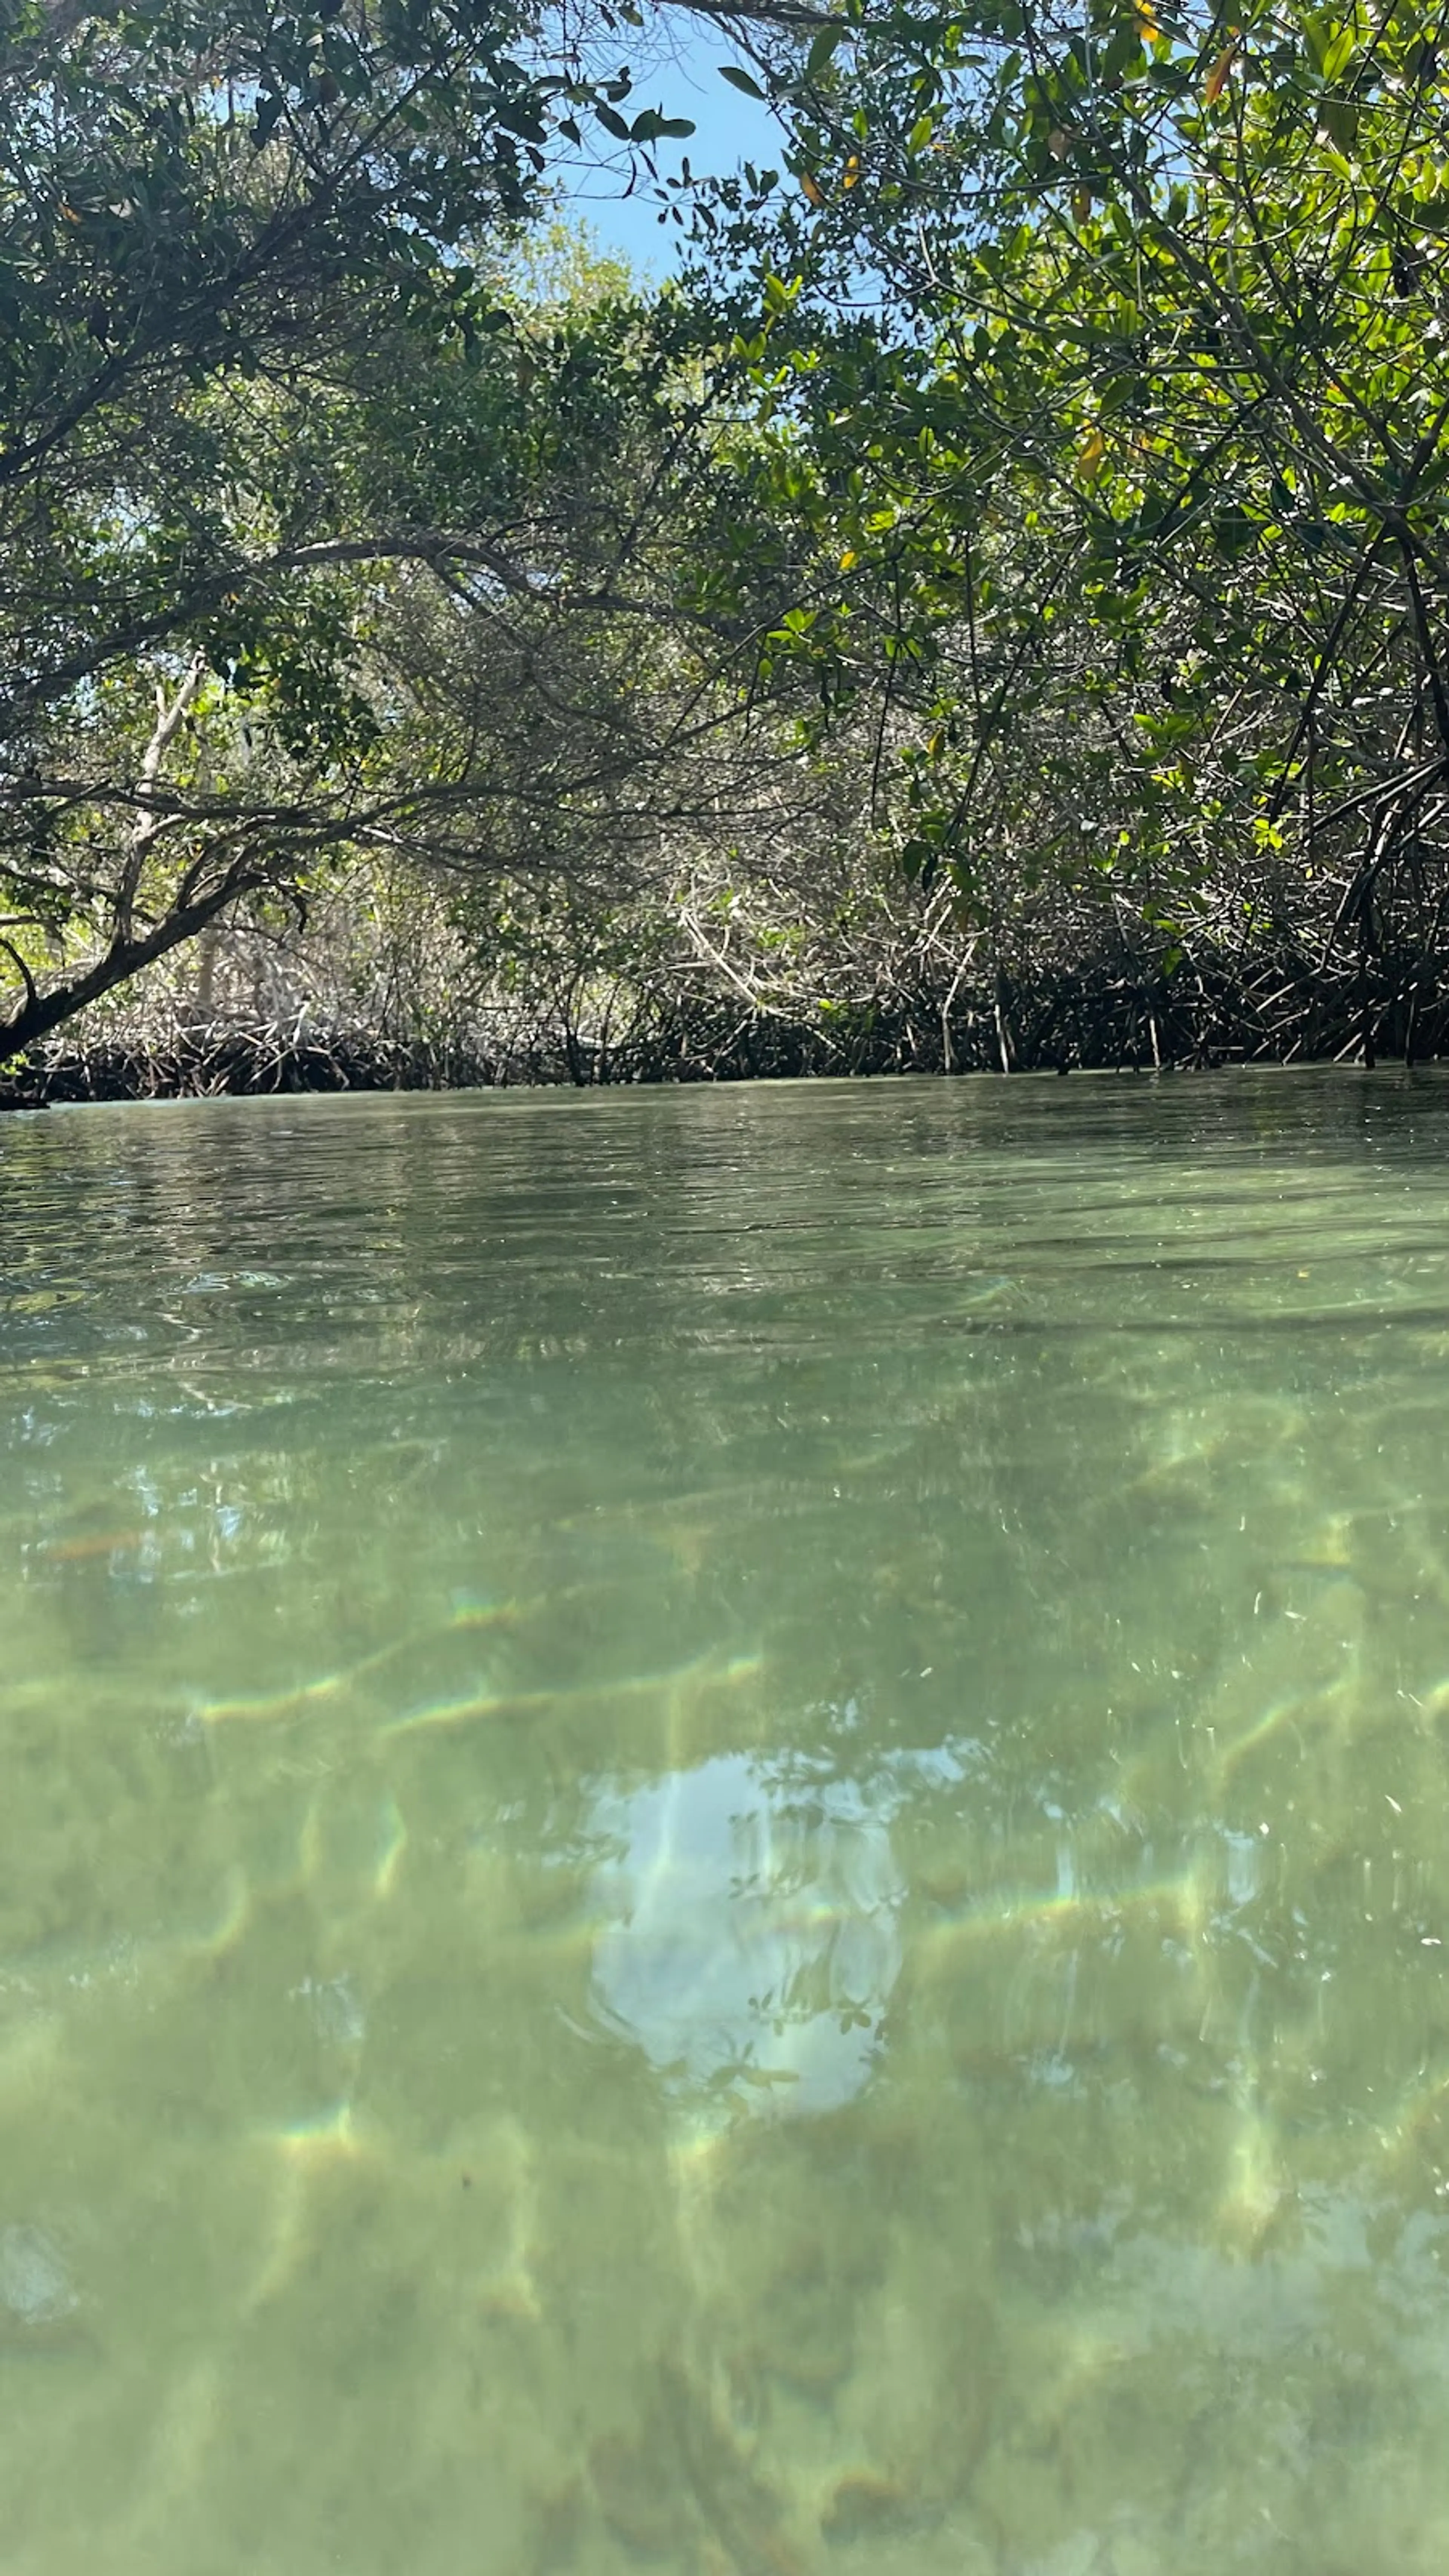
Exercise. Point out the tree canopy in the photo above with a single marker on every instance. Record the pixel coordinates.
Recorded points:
(1103, 358)
(262, 368)
(1040, 476)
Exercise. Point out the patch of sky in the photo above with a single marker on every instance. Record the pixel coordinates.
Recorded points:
(750, 1939)
(616, 194)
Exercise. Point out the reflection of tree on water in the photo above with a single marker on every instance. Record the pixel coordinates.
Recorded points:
(753, 1939)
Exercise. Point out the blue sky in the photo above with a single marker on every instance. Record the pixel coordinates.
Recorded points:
(729, 129)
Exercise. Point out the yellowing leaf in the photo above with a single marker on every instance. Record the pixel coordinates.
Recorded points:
(1090, 455)
(1217, 77)
(852, 170)
(1147, 26)
(813, 190)
(848, 559)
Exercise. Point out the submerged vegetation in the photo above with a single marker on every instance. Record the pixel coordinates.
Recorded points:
(988, 609)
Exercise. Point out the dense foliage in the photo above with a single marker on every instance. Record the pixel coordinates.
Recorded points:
(1107, 369)
(319, 532)
(1019, 541)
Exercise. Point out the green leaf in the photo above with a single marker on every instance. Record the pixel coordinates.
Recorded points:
(822, 51)
(741, 80)
(520, 121)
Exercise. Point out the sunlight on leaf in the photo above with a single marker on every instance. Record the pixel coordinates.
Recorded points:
(1217, 77)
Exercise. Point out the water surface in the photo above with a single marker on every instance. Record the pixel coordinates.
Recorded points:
(725, 1833)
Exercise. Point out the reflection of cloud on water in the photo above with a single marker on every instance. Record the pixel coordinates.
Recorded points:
(751, 1933)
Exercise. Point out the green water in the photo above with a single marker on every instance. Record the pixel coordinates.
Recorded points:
(724, 1833)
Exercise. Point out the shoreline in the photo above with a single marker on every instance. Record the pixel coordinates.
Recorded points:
(232, 1061)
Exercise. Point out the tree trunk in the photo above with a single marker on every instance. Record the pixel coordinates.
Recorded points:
(40, 1012)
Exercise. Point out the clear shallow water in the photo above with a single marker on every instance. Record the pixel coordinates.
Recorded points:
(724, 1833)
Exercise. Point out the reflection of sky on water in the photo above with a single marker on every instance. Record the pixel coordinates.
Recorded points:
(752, 1935)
